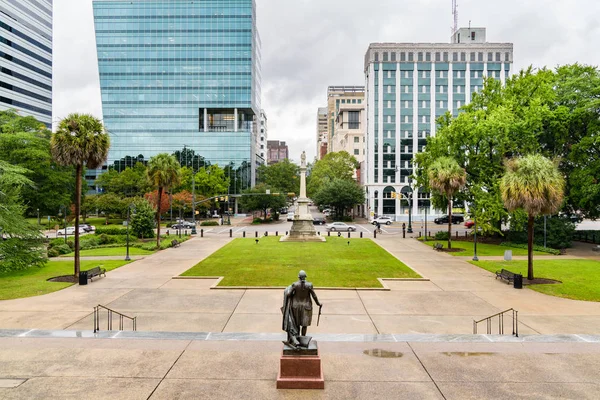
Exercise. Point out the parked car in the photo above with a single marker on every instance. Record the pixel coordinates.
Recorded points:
(340, 226)
(69, 231)
(382, 220)
(327, 212)
(319, 220)
(87, 227)
(469, 224)
(183, 225)
(290, 216)
(456, 219)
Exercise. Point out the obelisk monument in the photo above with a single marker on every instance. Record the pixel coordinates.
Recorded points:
(303, 229)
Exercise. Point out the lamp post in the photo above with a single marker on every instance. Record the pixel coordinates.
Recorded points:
(128, 222)
(60, 214)
(475, 258)
(38, 216)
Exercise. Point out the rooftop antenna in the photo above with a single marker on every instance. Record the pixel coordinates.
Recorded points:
(455, 15)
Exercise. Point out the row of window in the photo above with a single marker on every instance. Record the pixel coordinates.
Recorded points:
(168, 8)
(441, 74)
(23, 64)
(26, 37)
(24, 78)
(23, 50)
(18, 104)
(442, 56)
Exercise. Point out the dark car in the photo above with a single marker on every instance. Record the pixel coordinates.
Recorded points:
(183, 225)
(456, 219)
(319, 220)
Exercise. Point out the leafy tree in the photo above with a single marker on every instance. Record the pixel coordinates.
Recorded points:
(20, 243)
(182, 201)
(284, 175)
(337, 165)
(211, 181)
(340, 194)
(110, 204)
(534, 184)
(25, 142)
(447, 177)
(128, 182)
(142, 220)
(257, 199)
(189, 159)
(80, 141)
(163, 172)
(89, 204)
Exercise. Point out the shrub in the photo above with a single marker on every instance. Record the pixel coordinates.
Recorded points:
(535, 247)
(441, 235)
(53, 252)
(63, 249)
(211, 223)
(142, 222)
(559, 233)
(587, 236)
(110, 230)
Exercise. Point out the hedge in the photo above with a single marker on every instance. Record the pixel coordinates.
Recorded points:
(535, 247)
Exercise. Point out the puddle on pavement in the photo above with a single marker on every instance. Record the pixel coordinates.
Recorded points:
(382, 353)
(466, 354)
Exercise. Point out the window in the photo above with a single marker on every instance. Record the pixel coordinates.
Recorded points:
(463, 56)
(441, 89)
(405, 103)
(406, 119)
(441, 104)
(385, 56)
(472, 56)
(402, 56)
(406, 74)
(445, 56)
(394, 56)
(437, 57)
(356, 139)
(343, 101)
(353, 119)
(480, 57)
(498, 57)
(458, 89)
(353, 101)
(475, 74)
(376, 56)
(506, 57)
(458, 74)
(356, 152)
(441, 74)
(427, 56)
(389, 74)
(410, 57)
(389, 88)
(389, 104)
(472, 35)
(389, 119)
(458, 104)
(455, 56)
(420, 56)
(490, 57)
(424, 89)
(405, 89)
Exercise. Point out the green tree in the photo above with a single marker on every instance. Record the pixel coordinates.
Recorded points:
(79, 141)
(211, 181)
(110, 204)
(256, 199)
(340, 194)
(142, 220)
(447, 178)
(163, 172)
(337, 165)
(128, 182)
(284, 175)
(532, 183)
(21, 246)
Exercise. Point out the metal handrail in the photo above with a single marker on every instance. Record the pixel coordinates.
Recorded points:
(110, 319)
(500, 315)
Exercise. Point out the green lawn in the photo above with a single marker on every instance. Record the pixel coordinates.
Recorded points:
(111, 251)
(33, 281)
(483, 249)
(272, 263)
(580, 278)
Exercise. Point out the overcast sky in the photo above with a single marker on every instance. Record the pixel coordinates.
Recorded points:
(308, 45)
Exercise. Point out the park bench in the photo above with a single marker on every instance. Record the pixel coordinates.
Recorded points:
(96, 271)
(506, 275)
(175, 243)
(438, 246)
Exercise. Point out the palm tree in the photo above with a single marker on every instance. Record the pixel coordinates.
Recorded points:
(163, 172)
(79, 140)
(447, 178)
(534, 184)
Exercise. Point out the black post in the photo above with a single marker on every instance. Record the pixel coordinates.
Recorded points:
(348, 234)
(403, 232)
(231, 233)
(244, 234)
(276, 233)
(361, 234)
(328, 233)
(475, 258)
(201, 232)
(255, 233)
(410, 212)
(425, 239)
(375, 234)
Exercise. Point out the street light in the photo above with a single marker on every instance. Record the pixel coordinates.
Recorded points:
(475, 258)
(60, 214)
(38, 216)
(128, 222)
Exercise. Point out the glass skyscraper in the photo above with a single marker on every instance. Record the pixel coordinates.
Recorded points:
(26, 58)
(410, 85)
(180, 74)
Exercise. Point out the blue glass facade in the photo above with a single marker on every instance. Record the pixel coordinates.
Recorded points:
(180, 73)
(26, 58)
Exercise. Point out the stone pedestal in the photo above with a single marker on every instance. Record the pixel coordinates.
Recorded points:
(300, 369)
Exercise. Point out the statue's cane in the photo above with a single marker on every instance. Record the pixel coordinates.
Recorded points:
(319, 317)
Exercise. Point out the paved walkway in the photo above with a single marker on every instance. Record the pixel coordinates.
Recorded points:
(457, 293)
(172, 368)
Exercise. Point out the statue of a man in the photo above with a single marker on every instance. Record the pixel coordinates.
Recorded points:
(297, 309)
(303, 159)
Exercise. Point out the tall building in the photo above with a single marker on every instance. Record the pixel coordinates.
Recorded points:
(409, 85)
(321, 131)
(26, 58)
(276, 151)
(336, 97)
(261, 143)
(177, 74)
(350, 124)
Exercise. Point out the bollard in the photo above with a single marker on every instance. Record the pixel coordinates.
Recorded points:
(466, 234)
(244, 234)
(201, 232)
(328, 233)
(361, 235)
(457, 234)
(276, 233)
(266, 233)
(286, 233)
(339, 234)
(403, 233)
(185, 232)
(375, 234)
(348, 234)
(255, 233)
(231, 233)
(319, 233)
(419, 235)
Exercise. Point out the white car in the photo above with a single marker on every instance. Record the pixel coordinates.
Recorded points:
(70, 231)
(340, 226)
(290, 216)
(382, 220)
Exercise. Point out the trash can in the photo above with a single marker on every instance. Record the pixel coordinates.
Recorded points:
(83, 278)
(518, 281)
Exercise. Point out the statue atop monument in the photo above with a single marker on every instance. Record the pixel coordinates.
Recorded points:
(297, 311)
(303, 159)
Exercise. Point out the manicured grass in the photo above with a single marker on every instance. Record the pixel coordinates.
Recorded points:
(483, 249)
(33, 281)
(111, 251)
(272, 263)
(580, 278)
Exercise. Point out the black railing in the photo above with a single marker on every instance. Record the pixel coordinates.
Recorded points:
(110, 313)
(489, 324)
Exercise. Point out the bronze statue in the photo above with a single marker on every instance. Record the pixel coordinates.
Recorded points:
(297, 311)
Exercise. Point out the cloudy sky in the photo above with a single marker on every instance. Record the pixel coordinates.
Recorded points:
(311, 44)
